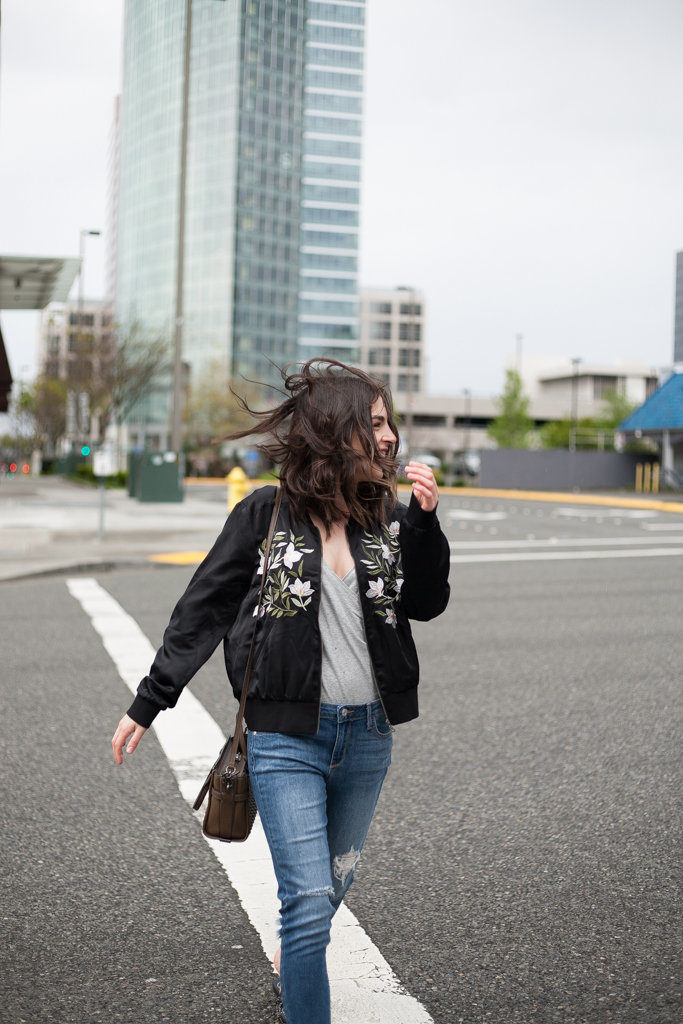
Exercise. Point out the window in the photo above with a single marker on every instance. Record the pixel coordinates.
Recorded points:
(603, 385)
(408, 357)
(428, 420)
(380, 330)
(380, 307)
(410, 309)
(407, 382)
(379, 357)
(410, 332)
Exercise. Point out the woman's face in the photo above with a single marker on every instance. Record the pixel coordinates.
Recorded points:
(384, 435)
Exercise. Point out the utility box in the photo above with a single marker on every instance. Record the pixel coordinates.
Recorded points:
(134, 459)
(160, 476)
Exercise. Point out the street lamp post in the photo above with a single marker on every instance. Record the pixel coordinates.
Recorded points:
(468, 417)
(176, 425)
(575, 404)
(78, 403)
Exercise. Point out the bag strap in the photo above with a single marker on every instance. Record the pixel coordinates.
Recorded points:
(238, 740)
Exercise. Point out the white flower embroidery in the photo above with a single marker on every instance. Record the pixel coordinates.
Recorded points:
(255, 612)
(291, 556)
(382, 560)
(389, 555)
(302, 588)
(259, 571)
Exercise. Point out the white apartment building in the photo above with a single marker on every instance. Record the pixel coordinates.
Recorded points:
(392, 334)
(564, 381)
(74, 339)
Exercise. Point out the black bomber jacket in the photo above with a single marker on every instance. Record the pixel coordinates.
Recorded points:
(402, 570)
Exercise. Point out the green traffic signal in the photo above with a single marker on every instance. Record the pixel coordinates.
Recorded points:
(85, 450)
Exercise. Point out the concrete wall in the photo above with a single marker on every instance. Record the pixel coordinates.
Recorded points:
(558, 469)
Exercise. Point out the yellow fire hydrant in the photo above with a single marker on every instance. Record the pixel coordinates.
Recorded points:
(239, 486)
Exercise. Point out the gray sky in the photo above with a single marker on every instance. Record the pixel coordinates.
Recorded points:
(523, 166)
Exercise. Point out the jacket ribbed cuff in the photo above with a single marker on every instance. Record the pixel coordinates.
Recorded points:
(143, 711)
(417, 516)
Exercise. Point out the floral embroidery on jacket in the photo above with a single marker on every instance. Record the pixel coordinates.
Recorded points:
(383, 562)
(286, 591)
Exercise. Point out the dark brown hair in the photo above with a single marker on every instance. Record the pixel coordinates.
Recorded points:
(321, 438)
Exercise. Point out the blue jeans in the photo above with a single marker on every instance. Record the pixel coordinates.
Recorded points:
(316, 796)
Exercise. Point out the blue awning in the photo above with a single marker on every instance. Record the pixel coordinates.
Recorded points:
(663, 410)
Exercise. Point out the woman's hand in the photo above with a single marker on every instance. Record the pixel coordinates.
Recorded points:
(424, 485)
(127, 729)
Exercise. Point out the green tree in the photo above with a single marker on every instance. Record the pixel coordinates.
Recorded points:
(47, 403)
(615, 409)
(513, 425)
(591, 431)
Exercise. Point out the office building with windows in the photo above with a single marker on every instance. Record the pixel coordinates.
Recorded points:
(392, 335)
(273, 179)
(75, 340)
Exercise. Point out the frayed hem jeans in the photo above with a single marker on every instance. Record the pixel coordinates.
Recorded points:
(316, 796)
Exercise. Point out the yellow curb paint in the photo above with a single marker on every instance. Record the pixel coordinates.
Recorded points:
(565, 498)
(179, 558)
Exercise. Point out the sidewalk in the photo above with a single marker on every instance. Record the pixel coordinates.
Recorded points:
(50, 525)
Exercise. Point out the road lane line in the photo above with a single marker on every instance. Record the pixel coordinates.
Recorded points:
(364, 988)
(562, 542)
(554, 556)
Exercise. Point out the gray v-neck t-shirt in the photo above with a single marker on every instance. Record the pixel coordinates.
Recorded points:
(347, 676)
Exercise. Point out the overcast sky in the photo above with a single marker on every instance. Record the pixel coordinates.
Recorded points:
(523, 166)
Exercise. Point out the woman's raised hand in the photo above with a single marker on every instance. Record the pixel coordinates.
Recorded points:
(424, 485)
(126, 730)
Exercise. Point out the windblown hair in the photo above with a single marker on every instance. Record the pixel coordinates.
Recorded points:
(321, 438)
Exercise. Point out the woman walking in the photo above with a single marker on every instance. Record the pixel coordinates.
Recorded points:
(335, 666)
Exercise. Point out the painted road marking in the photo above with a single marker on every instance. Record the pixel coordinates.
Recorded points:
(465, 513)
(555, 556)
(179, 558)
(562, 542)
(602, 513)
(364, 988)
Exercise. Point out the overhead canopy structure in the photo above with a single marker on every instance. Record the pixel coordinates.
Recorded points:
(663, 410)
(5, 377)
(31, 282)
(661, 419)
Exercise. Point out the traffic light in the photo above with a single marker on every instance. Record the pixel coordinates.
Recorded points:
(85, 450)
(12, 467)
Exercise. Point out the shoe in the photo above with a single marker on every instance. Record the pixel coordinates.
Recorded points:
(279, 1008)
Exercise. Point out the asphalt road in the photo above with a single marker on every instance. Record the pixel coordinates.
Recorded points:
(522, 865)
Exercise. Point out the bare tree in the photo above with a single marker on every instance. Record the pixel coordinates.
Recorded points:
(128, 373)
(213, 410)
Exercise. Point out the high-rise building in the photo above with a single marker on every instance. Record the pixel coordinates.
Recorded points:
(273, 175)
(678, 318)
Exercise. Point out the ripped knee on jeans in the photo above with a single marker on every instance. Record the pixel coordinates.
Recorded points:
(345, 863)
(324, 890)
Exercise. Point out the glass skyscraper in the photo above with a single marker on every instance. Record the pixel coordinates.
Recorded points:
(273, 176)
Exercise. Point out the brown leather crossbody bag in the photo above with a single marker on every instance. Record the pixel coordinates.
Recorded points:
(231, 808)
